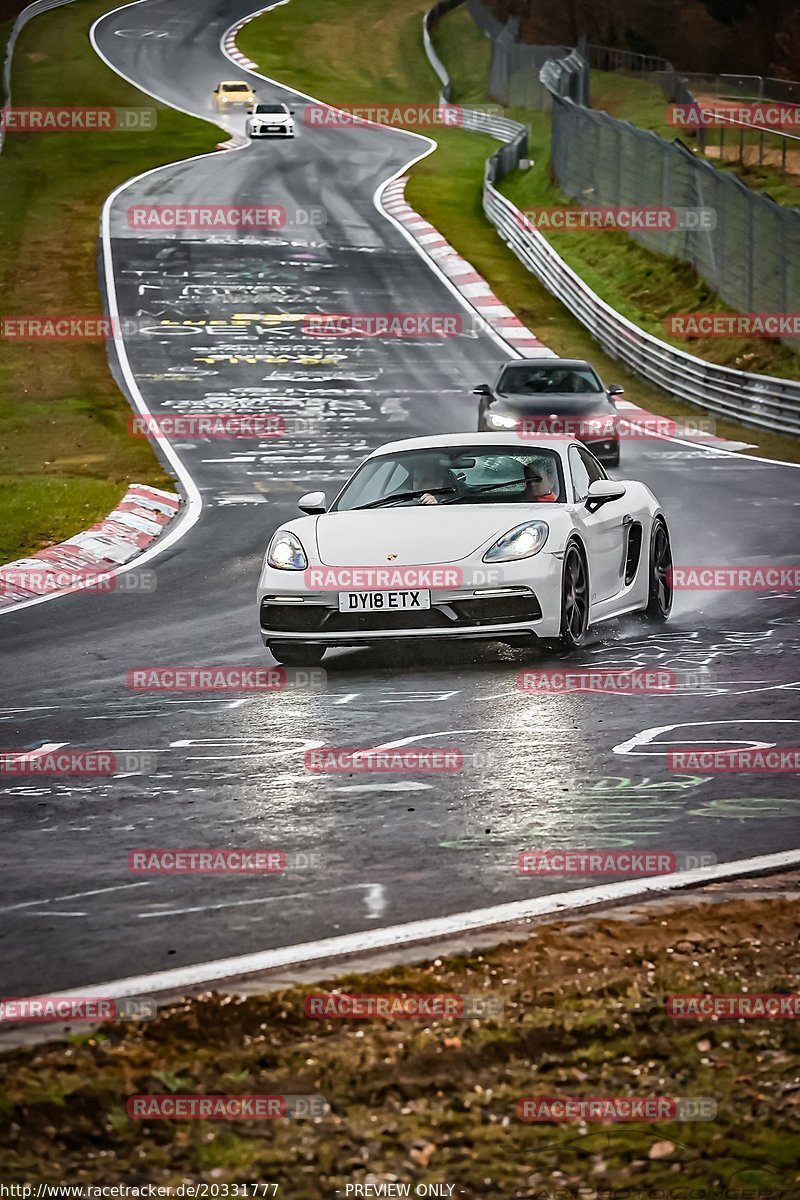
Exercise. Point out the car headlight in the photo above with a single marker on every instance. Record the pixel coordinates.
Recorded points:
(286, 552)
(521, 542)
(499, 421)
(601, 426)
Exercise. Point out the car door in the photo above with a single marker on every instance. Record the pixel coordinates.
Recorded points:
(605, 531)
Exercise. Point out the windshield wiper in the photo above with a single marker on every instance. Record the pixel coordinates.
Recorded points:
(398, 496)
(485, 487)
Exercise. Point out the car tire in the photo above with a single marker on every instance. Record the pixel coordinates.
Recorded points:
(291, 655)
(612, 462)
(574, 599)
(659, 568)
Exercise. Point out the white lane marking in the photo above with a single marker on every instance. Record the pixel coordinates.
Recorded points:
(120, 887)
(647, 736)
(220, 904)
(45, 748)
(369, 941)
(406, 785)
(189, 514)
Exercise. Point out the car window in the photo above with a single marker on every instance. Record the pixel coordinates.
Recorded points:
(271, 108)
(541, 379)
(459, 475)
(580, 475)
(593, 467)
(235, 87)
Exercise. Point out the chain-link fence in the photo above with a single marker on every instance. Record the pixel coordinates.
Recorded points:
(512, 134)
(751, 255)
(628, 62)
(515, 65)
(760, 400)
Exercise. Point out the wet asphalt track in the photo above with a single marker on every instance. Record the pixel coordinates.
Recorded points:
(230, 769)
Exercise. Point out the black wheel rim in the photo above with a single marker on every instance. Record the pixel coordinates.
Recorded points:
(662, 569)
(576, 597)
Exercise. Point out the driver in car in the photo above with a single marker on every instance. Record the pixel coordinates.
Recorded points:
(427, 475)
(538, 487)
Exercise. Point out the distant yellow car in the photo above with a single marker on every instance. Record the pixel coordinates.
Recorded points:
(233, 91)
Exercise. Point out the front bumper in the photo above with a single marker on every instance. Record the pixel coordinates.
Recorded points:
(264, 132)
(605, 450)
(514, 608)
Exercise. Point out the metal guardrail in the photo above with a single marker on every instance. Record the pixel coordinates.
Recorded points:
(513, 135)
(27, 14)
(765, 401)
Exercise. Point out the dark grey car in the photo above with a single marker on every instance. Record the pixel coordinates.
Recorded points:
(563, 395)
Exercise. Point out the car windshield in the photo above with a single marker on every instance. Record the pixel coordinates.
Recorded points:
(235, 87)
(528, 380)
(456, 475)
(271, 108)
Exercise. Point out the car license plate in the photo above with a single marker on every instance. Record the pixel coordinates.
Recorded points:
(274, 128)
(351, 602)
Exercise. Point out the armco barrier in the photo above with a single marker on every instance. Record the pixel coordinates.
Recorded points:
(27, 14)
(511, 133)
(764, 401)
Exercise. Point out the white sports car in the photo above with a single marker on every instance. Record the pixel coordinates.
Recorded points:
(465, 536)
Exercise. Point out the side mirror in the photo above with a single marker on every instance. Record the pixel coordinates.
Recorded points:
(313, 502)
(616, 390)
(250, 112)
(482, 389)
(291, 112)
(602, 491)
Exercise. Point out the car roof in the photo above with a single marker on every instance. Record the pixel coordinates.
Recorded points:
(550, 362)
(560, 445)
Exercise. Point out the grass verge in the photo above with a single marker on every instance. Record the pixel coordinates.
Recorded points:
(320, 49)
(643, 103)
(434, 1100)
(65, 454)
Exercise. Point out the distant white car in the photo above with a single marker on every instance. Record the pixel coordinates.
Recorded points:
(465, 536)
(270, 120)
